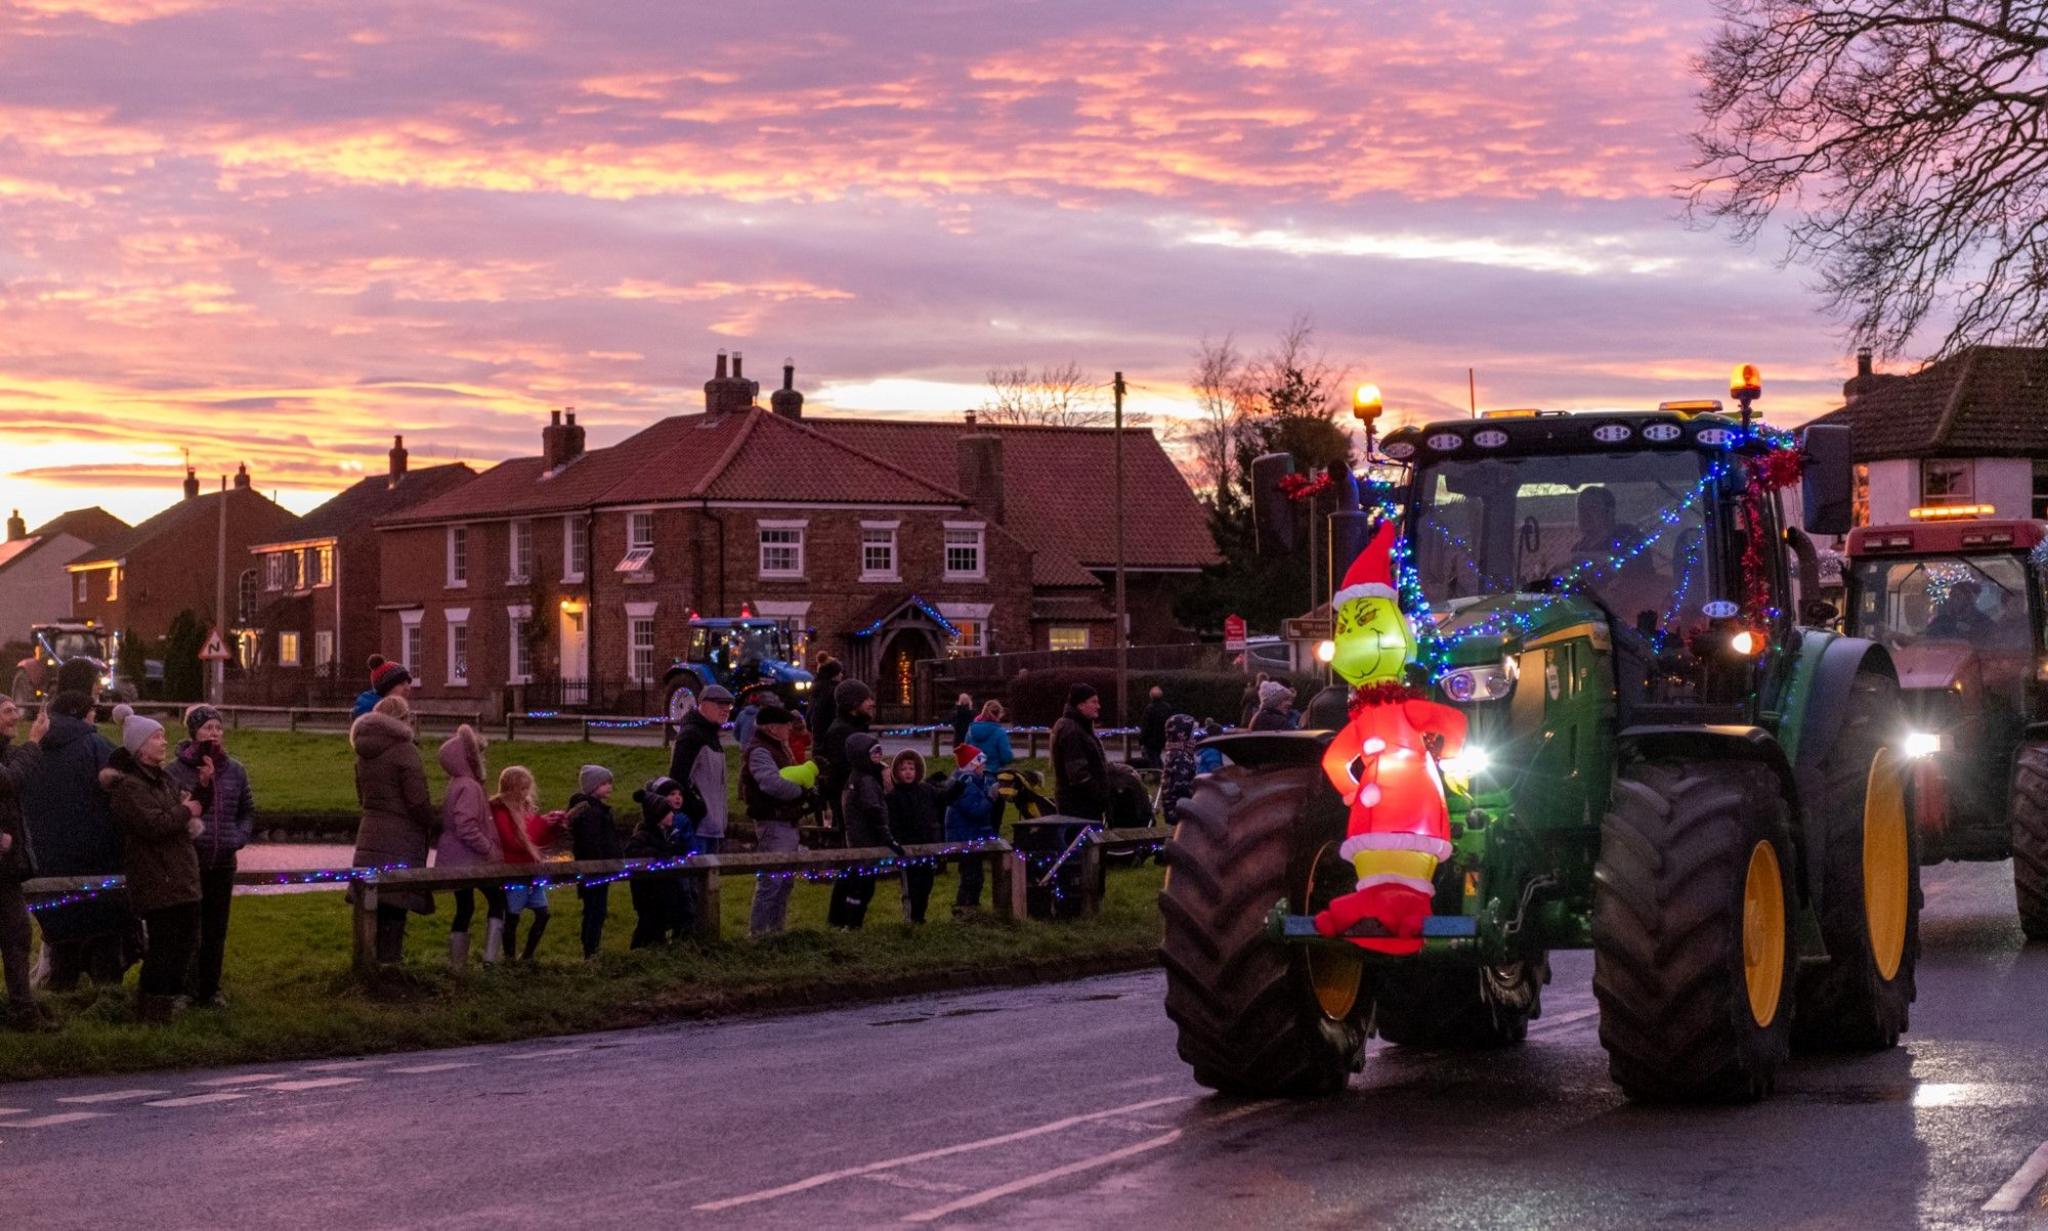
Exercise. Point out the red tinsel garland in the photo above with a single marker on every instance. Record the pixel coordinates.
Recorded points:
(1302, 487)
(1390, 692)
(1780, 468)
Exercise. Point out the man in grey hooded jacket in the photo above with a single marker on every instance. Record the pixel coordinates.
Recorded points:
(698, 763)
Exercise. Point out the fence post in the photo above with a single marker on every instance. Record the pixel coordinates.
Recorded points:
(511, 726)
(1031, 744)
(709, 923)
(291, 721)
(935, 741)
(1006, 884)
(586, 730)
(1127, 747)
(1091, 878)
(365, 929)
(234, 717)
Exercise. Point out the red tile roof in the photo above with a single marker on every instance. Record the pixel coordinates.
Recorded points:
(1987, 401)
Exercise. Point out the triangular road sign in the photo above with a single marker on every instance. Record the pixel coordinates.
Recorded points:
(215, 650)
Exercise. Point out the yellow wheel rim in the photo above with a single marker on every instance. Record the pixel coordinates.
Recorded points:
(1887, 856)
(1335, 976)
(1763, 933)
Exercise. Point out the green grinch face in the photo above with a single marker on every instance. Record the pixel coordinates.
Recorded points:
(1373, 640)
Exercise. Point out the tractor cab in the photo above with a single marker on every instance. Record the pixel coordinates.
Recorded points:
(52, 646)
(1958, 601)
(748, 652)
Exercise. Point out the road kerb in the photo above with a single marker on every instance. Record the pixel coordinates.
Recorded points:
(2008, 1199)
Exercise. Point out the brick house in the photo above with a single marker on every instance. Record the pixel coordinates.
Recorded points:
(34, 586)
(306, 602)
(570, 578)
(141, 580)
(1971, 429)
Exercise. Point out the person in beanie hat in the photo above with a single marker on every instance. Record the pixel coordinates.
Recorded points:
(17, 864)
(120, 713)
(391, 679)
(698, 764)
(971, 816)
(1080, 768)
(368, 696)
(158, 823)
(854, 706)
(1275, 712)
(867, 824)
(203, 769)
(79, 675)
(657, 902)
(772, 787)
(917, 816)
(594, 834)
(398, 813)
(72, 830)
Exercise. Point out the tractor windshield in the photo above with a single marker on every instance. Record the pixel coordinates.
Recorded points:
(70, 644)
(1978, 599)
(734, 645)
(1625, 527)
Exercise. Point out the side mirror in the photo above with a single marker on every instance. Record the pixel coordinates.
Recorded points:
(1272, 511)
(1816, 612)
(1828, 486)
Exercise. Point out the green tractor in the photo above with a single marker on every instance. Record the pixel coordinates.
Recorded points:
(1663, 765)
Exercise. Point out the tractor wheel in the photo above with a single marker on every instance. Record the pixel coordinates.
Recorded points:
(1692, 936)
(23, 692)
(1257, 1017)
(1859, 996)
(2030, 839)
(1458, 1006)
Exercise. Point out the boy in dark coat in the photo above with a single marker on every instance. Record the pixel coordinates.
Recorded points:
(594, 834)
(917, 814)
(658, 902)
(866, 808)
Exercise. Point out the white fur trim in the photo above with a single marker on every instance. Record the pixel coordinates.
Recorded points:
(1394, 842)
(1406, 882)
(1364, 589)
(1369, 795)
(1373, 747)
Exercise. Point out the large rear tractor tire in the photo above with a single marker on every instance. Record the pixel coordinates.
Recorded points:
(1860, 996)
(23, 691)
(1257, 1017)
(2030, 839)
(1458, 1006)
(1692, 935)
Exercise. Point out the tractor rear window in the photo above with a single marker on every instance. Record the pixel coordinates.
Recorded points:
(1624, 527)
(1981, 600)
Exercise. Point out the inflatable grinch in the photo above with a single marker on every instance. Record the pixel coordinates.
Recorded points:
(1384, 763)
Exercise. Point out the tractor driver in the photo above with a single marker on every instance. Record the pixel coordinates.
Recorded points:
(1959, 618)
(1596, 523)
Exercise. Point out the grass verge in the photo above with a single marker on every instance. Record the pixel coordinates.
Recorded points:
(292, 996)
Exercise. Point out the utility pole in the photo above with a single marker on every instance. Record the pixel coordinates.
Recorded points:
(1472, 392)
(220, 595)
(1123, 618)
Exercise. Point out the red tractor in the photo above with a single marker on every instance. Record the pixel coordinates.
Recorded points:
(1961, 604)
(53, 645)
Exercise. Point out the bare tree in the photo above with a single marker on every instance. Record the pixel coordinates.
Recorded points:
(1294, 379)
(1218, 381)
(1062, 396)
(1907, 142)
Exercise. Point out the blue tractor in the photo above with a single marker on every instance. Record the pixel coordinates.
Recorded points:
(741, 654)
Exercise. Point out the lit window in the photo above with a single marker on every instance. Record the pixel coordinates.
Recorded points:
(323, 648)
(963, 553)
(1946, 481)
(1859, 513)
(878, 552)
(458, 653)
(520, 568)
(640, 636)
(575, 547)
(287, 649)
(273, 571)
(113, 583)
(1063, 637)
(972, 639)
(782, 550)
(458, 556)
(323, 566)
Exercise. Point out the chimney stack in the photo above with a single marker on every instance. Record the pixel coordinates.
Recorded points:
(191, 484)
(560, 442)
(725, 395)
(1863, 362)
(398, 458)
(17, 529)
(242, 477)
(786, 401)
(980, 461)
(1864, 380)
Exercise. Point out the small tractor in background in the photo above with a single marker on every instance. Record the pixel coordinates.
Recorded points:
(745, 653)
(1664, 765)
(1958, 602)
(55, 644)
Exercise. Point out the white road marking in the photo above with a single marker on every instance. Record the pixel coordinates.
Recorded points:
(2008, 1199)
(12, 1111)
(552, 1053)
(903, 1181)
(342, 1065)
(890, 1164)
(198, 1100)
(312, 1083)
(241, 1079)
(113, 1096)
(436, 1068)
(1000, 1191)
(67, 1117)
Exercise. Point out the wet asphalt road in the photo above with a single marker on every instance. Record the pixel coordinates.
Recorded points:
(1064, 1107)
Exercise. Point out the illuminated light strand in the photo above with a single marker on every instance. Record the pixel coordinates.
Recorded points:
(316, 876)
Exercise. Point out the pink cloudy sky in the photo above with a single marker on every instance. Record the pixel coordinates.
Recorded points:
(279, 231)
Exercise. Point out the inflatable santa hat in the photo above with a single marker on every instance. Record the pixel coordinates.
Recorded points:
(1371, 574)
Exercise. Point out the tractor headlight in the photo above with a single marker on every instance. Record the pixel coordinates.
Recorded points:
(1490, 683)
(803, 685)
(1921, 744)
(1471, 760)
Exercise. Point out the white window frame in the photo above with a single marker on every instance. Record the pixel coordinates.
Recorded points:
(82, 593)
(323, 647)
(1087, 636)
(518, 620)
(575, 539)
(801, 529)
(639, 547)
(458, 618)
(288, 647)
(273, 571)
(458, 557)
(519, 551)
(962, 615)
(980, 532)
(323, 558)
(640, 616)
(411, 641)
(885, 534)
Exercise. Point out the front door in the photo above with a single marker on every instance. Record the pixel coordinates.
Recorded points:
(575, 655)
